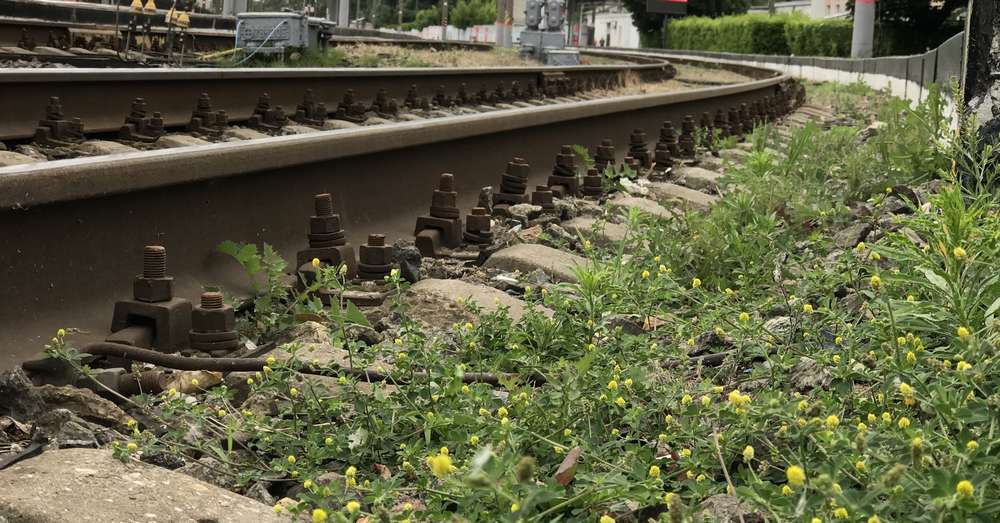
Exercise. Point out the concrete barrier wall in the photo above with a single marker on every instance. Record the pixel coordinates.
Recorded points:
(907, 77)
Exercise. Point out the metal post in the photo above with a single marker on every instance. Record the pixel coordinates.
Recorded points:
(399, 7)
(444, 20)
(498, 26)
(864, 29)
(771, 10)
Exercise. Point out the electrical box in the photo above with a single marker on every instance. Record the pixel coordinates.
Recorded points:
(272, 33)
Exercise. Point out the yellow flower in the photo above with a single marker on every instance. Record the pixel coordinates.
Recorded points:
(706, 401)
(132, 447)
(444, 451)
(514, 507)
(737, 398)
(901, 341)
(786, 490)
(807, 308)
(729, 292)
(972, 445)
(875, 281)
(963, 366)
(654, 471)
(836, 359)
(963, 333)
(964, 488)
(862, 427)
(917, 443)
(744, 317)
(668, 419)
(440, 465)
(695, 283)
(502, 412)
(911, 358)
(663, 269)
(860, 246)
(686, 399)
(315, 262)
(607, 519)
(620, 401)
(886, 417)
(504, 421)
(685, 453)
(832, 422)
(796, 476)
(293, 392)
(278, 508)
(291, 459)
(628, 382)
(748, 453)
(308, 484)
(839, 340)
(612, 385)
(874, 256)
(840, 513)
(474, 440)
(860, 465)
(328, 441)
(319, 515)
(352, 506)
(874, 519)
(958, 253)
(836, 489)
(700, 478)
(61, 333)
(905, 389)
(903, 422)
(645, 275)
(815, 520)
(351, 471)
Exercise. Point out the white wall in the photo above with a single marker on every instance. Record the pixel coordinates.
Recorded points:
(617, 26)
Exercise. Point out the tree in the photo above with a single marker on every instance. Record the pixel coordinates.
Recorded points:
(651, 24)
(911, 26)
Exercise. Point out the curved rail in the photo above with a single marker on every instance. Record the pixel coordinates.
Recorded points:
(101, 98)
(74, 229)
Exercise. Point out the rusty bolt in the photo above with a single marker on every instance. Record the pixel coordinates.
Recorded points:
(213, 315)
(153, 285)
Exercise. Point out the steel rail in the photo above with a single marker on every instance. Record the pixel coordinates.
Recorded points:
(102, 97)
(73, 230)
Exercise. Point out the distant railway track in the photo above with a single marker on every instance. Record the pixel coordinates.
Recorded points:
(74, 229)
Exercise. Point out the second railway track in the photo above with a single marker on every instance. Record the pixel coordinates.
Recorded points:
(73, 230)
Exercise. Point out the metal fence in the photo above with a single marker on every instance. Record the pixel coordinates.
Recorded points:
(906, 76)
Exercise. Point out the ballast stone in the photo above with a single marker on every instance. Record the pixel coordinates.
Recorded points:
(90, 485)
(645, 205)
(672, 192)
(488, 299)
(527, 257)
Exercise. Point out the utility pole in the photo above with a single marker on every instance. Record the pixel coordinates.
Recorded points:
(864, 29)
(444, 19)
(771, 10)
(399, 13)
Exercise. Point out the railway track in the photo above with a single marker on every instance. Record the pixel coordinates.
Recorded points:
(74, 229)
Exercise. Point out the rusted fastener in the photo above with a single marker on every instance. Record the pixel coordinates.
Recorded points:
(412, 101)
(441, 98)
(500, 94)
(383, 106)
(637, 147)
(605, 156)
(55, 130)
(26, 41)
(153, 305)
(708, 132)
(139, 127)
(593, 184)
(310, 112)
(327, 242)
(530, 91)
(478, 227)
(746, 121)
(543, 197)
(668, 137)
(462, 96)
(513, 184)
(374, 258)
(721, 124)
(515, 90)
(563, 181)
(735, 124)
(267, 118)
(213, 326)
(662, 159)
(686, 140)
(349, 109)
(443, 227)
(484, 96)
(205, 120)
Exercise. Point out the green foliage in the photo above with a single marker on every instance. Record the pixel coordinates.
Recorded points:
(468, 13)
(762, 34)
(908, 27)
(812, 37)
(872, 399)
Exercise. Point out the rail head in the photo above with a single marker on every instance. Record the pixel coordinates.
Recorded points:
(45, 183)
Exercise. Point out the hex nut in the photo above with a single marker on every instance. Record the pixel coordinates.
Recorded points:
(324, 224)
(213, 320)
(153, 290)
